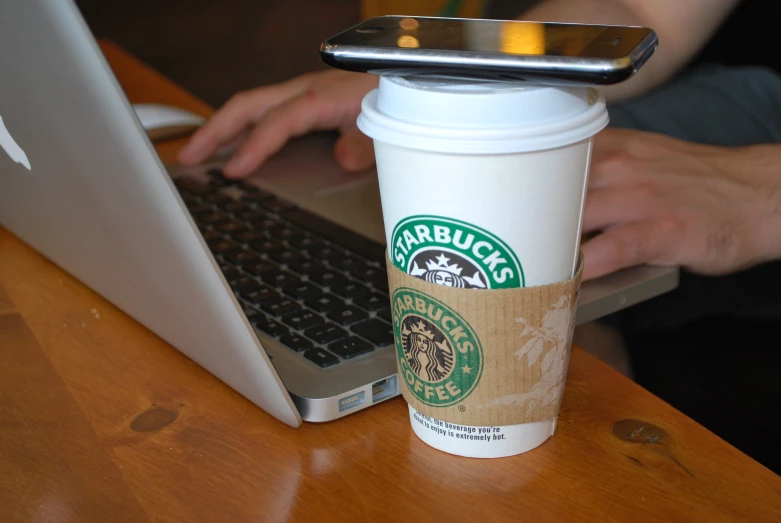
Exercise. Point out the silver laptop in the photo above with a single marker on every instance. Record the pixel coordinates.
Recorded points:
(276, 286)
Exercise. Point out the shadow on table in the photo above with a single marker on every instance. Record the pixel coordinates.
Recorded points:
(723, 373)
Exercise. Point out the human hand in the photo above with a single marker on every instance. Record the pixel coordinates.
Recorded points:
(264, 119)
(662, 201)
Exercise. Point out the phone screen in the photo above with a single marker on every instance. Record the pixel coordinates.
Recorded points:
(493, 36)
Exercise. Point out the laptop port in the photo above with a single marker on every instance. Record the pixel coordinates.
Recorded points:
(385, 389)
(352, 401)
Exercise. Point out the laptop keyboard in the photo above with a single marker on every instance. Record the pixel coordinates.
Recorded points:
(318, 288)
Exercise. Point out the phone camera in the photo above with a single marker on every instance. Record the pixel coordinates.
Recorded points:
(370, 29)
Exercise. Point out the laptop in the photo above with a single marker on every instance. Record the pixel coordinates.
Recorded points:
(275, 285)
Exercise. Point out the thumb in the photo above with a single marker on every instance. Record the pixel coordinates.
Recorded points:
(354, 150)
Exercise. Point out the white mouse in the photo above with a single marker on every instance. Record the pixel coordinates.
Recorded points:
(165, 121)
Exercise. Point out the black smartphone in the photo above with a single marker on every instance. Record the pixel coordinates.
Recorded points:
(491, 49)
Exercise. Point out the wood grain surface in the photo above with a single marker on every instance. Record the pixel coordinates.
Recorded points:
(101, 421)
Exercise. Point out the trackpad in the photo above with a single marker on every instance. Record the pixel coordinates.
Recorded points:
(306, 173)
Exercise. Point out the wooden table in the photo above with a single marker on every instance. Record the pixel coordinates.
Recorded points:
(102, 421)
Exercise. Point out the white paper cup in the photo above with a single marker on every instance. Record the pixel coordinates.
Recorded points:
(482, 186)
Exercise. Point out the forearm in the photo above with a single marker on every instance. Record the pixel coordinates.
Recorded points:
(760, 165)
(683, 27)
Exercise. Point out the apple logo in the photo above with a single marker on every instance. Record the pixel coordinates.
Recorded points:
(11, 147)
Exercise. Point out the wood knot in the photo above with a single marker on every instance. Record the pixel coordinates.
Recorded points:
(153, 419)
(635, 431)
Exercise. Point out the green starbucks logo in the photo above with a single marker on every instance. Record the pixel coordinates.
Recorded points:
(454, 254)
(439, 354)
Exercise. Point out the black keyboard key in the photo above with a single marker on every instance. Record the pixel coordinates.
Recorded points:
(325, 333)
(321, 357)
(370, 274)
(212, 218)
(277, 205)
(249, 236)
(248, 187)
(285, 232)
(375, 330)
(372, 302)
(191, 200)
(269, 326)
(191, 185)
(305, 242)
(351, 290)
(218, 179)
(279, 306)
(231, 275)
(279, 278)
(250, 313)
(265, 245)
(385, 314)
(211, 237)
(325, 252)
(327, 277)
(259, 294)
(232, 206)
(304, 265)
(242, 257)
(252, 215)
(258, 269)
(216, 198)
(380, 282)
(254, 194)
(355, 243)
(232, 227)
(350, 347)
(347, 315)
(303, 290)
(324, 302)
(296, 342)
(302, 319)
(199, 209)
(348, 263)
(245, 283)
(224, 246)
(286, 256)
(263, 223)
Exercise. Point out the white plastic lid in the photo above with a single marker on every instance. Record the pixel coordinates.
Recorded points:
(479, 117)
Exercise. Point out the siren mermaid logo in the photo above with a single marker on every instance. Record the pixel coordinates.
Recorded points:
(429, 353)
(440, 356)
(454, 254)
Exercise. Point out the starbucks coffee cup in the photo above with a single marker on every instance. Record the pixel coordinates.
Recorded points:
(482, 187)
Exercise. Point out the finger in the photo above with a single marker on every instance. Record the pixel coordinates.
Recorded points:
(607, 142)
(292, 118)
(229, 147)
(615, 170)
(608, 207)
(354, 151)
(627, 246)
(235, 117)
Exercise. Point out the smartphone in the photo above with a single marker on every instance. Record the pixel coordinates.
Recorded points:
(492, 49)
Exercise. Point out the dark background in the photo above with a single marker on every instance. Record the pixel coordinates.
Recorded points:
(215, 48)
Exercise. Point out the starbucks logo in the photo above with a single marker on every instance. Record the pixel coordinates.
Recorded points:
(454, 254)
(427, 350)
(440, 357)
(448, 269)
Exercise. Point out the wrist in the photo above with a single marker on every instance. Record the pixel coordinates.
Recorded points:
(764, 171)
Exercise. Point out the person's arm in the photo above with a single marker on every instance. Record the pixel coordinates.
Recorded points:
(683, 27)
(662, 201)
(264, 119)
